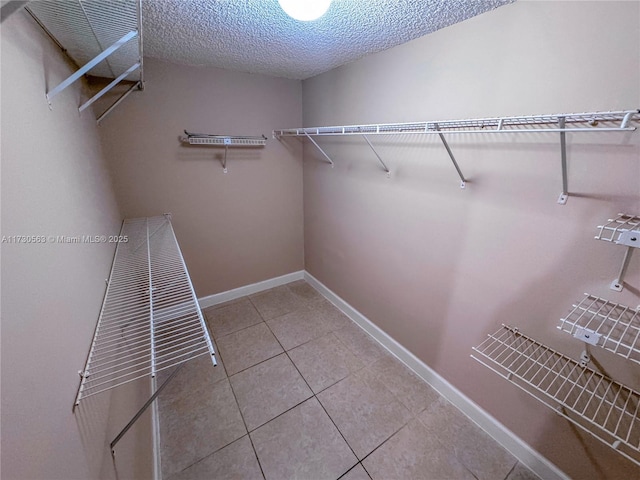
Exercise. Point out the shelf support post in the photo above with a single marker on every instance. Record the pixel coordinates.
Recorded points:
(321, 150)
(562, 200)
(618, 283)
(386, 169)
(463, 181)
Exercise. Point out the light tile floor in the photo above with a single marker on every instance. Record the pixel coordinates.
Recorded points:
(300, 391)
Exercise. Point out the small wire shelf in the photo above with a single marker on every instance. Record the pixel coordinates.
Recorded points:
(150, 318)
(224, 140)
(617, 229)
(609, 325)
(593, 402)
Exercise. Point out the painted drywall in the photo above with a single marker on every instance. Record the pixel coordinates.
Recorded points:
(236, 228)
(437, 267)
(55, 182)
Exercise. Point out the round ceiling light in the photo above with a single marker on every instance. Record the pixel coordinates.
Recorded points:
(305, 10)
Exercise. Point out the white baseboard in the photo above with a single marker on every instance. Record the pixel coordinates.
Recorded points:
(517, 447)
(222, 297)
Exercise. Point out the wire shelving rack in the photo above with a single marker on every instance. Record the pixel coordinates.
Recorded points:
(588, 399)
(562, 123)
(225, 141)
(600, 322)
(150, 319)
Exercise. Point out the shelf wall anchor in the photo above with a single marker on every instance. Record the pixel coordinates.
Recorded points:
(321, 150)
(562, 199)
(463, 181)
(384, 166)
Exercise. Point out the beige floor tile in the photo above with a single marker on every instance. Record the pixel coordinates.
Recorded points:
(248, 347)
(362, 344)
(298, 327)
(324, 361)
(520, 472)
(268, 389)
(235, 461)
(302, 443)
(195, 376)
(276, 302)
(364, 411)
(356, 473)
(305, 291)
(411, 390)
(476, 450)
(232, 317)
(414, 454)
(204, 422)
(333, 317)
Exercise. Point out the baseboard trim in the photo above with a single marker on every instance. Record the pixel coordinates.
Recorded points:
(222, 297)
(517, 447)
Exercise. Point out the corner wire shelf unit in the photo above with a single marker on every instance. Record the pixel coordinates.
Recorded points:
(611, 326)
(562, 123)
(225, 141)
(104, 36)
(622, 230)
(591, 401)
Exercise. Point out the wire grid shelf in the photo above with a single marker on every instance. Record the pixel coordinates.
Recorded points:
(593, 402)
(85, 28)
(150, 319)
(616, 228)
(224, 140)
(574, 122)
(609, 325)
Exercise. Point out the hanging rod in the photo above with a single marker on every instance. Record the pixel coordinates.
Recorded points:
(223, 141)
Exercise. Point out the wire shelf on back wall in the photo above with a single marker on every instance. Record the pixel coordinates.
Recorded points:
(150, 319)
(609, 325)
(622, 230)
(593, 402)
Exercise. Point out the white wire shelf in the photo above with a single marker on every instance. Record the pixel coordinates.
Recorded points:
(605, 324)
(593, 402)
(622, 230)
(574, 122)
(103, 37)
(225, 141)
(150, 319)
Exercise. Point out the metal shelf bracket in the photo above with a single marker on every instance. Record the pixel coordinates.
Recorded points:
(89, 65)
(321, 150)
(384, 166)
(463, 181)
(622, 230)
(562, 199)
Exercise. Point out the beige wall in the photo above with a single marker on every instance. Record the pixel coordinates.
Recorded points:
(54, 182)
(438, 267)
(236, 228)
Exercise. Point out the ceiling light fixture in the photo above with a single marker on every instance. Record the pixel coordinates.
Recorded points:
(305, 10)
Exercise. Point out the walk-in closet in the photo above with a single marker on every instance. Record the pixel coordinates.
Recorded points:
(320, 240)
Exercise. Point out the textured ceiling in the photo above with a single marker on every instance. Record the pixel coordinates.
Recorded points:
(257, 36)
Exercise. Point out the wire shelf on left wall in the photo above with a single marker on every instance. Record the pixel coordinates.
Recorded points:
(150, 319)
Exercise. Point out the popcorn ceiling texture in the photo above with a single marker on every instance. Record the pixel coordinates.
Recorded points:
(257, 36)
